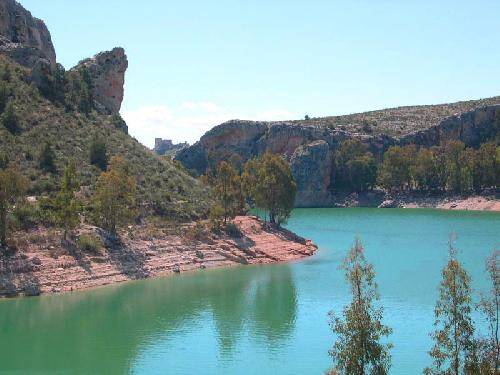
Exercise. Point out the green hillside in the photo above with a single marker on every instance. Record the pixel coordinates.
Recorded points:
(163, 186)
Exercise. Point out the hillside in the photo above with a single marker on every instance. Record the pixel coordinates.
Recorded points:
(163, 186)
(400, 121)
(311, 145)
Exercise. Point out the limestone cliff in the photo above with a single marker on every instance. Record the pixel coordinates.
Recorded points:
(23, 37)
(107, 70)
(309, 144)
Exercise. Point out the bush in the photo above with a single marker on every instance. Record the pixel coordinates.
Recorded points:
(233, 231)
(47, 159)
(25, 216)
(10, 120)
(98, 154)
(89, 243)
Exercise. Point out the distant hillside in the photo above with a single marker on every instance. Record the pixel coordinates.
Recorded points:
(310, 145)
(400, 121)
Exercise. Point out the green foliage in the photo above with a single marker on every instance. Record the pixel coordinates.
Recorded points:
(10, 120)
(114, 199)
(47, 158)
(269, 183)
(25, 216)
(4, 95)
(119, 123)
(358, 349)
(227, 190)
(67, 207)
(12, 188)
(355, 166)
(98, 153)
(395, 171)
(4, 161)
(216, 218)
(488, 356)
(89, 243)
(453, 338)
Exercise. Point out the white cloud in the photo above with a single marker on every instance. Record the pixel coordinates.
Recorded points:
(186, 122)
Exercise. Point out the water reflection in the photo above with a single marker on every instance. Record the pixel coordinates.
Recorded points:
(104, 330)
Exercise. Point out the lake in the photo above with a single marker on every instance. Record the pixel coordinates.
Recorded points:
(253, 319)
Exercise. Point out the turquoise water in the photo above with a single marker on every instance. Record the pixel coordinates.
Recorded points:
(255, 319)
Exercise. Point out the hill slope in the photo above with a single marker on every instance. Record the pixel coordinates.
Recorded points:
(163, 186)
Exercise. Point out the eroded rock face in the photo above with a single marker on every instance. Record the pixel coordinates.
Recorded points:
(24, 38)
(311, 166)
(310, 148)
(107, 70)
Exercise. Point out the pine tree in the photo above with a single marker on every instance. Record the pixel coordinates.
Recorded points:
(12, 188)
(66, 204)
(98, 153)
(114, 199)
(47, 160)
(358, 349)
(489, 356)
(453, 338)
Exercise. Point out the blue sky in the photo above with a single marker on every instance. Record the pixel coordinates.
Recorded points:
(194, 64)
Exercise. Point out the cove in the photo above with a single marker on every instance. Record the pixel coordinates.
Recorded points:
(253, 319)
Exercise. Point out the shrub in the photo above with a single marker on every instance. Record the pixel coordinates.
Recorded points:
(47, 158)
(233, 231)
(10, 120)
(89, 243)
(25, 216)
(98, 154)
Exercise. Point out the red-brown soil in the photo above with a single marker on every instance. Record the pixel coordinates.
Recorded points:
(42, 264)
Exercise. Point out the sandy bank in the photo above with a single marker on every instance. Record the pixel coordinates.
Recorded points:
(43, 265)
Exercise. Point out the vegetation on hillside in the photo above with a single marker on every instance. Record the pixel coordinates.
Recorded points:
(43, 127)
(399, 121)
(451, 167)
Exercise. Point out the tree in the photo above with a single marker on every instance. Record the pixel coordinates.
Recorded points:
(98, 153)
(487, 166)
(228, 190)
(67, 208)
(453, 338)
(358, 349)
(269, 183)
(424, 171)
(12, 187)
(10, 120)
(4, 95)
(355, 166)
(395, 172)
(114, 199)
(489, 357)
(47, 158)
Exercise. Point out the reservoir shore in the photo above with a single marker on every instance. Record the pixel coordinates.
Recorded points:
(43, 264)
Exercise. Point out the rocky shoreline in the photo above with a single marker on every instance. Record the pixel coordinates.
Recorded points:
(43, 265)
(489, 201)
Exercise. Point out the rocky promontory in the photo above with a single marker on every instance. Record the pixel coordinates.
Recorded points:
(45, 265)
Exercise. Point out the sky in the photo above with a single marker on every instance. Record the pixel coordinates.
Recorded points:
(194, 64)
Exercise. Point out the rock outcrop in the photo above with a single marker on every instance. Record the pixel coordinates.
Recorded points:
(311, 166)
(166, 146)
(310, 146)
(107, 70)
(24, 38)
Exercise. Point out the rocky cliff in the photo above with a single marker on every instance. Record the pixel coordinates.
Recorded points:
(26, 40)
(23, 37)
(107, 70)
(310, 144)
